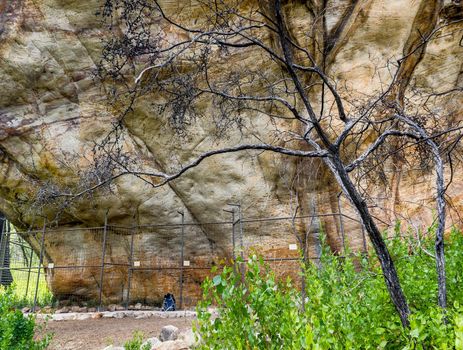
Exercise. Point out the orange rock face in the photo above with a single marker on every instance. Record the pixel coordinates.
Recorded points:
(52, 110)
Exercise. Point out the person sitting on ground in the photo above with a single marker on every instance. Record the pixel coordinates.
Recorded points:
(168, 303)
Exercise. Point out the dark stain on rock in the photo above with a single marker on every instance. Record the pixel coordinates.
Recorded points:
(9, 12)
(452, 12)
(414, 50)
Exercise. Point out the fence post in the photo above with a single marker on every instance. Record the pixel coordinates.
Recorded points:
(103, 253)
(341, 224)
(365, 247)
(1, 232)
(130, 271)
(182, 245)
(233, 235)
(29, 272)
(40, 263)
(3, 246)
(243, 266)
(240, 220)
(241, 232)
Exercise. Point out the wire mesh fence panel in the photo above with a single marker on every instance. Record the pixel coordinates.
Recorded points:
(271, 239)
(156, 246)
(277, 243)
(114, 288)
(72, 264)
(74, 286)
(135, 267)
(192, 281)
(150, 284)
(155, 262)
(27, 271)
(173, 259)
(287, 269)
(23, 269)
(116, 260)
(204, 246)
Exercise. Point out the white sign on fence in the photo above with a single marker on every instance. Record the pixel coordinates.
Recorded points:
(186, 263)
(293, 247)
(136, 264)
(51, 266)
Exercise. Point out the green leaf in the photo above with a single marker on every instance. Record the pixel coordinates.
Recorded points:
(415, 333)
(217, 280)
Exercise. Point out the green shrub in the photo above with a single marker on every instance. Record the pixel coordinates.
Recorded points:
(261, 315)
(347, 304)
(17, 330)
(136, 343)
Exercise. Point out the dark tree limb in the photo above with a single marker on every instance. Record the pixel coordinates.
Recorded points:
(440, 204)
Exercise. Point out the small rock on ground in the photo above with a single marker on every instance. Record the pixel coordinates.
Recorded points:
(189, 338)
(153, 341)
(63, 310)
(169, 333)
(172, 345)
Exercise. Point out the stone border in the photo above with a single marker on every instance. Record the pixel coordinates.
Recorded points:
(72, 316)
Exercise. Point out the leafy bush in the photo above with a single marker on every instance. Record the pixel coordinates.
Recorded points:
(347, 304)
(136, 343)
(17, 330)
(261, 315)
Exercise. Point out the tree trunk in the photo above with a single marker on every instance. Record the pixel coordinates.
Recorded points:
(440, 200)
(338, 169)
(387, 265)
(439, 244)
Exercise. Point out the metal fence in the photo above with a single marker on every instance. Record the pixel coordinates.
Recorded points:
(134, 266)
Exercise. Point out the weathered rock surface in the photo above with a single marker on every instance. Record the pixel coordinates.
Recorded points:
(169, 333)
(172, 345)
(52, 111)
(152, 341)
(189, 338)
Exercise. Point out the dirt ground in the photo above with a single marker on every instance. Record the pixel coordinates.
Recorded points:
(96, 334)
